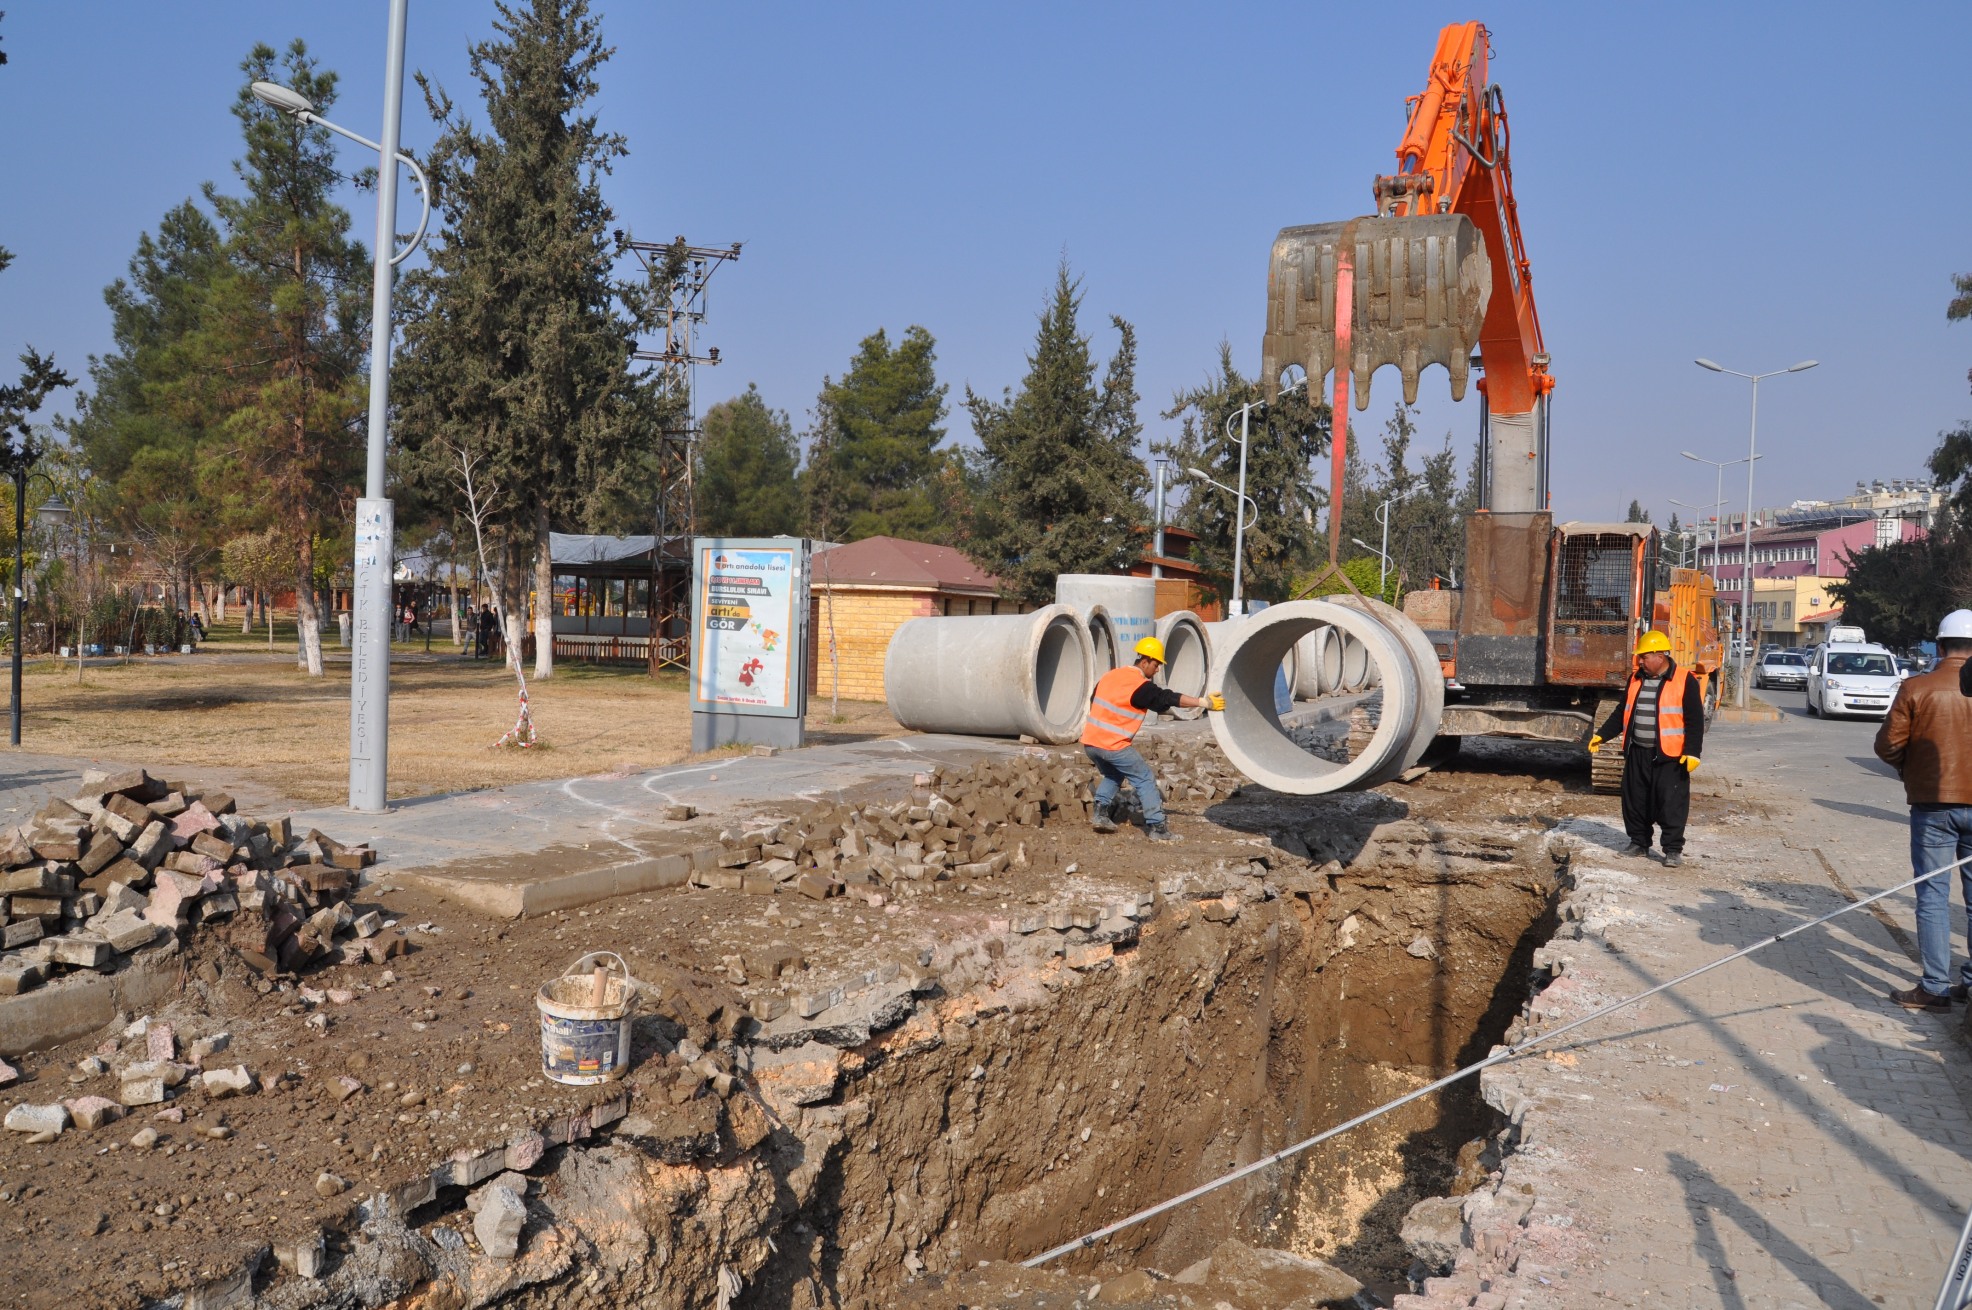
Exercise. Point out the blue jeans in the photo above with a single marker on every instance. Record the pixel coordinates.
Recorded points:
(1940, 835)
(1119, 767)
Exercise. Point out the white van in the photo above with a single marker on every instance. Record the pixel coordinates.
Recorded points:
(1843, 633)
(1852, 677)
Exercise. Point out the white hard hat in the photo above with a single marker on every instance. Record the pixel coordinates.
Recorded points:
(1957, 624)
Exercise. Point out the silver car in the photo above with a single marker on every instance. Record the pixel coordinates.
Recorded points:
(1780, 669)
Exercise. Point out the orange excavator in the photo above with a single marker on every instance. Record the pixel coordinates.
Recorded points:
(1538, 641)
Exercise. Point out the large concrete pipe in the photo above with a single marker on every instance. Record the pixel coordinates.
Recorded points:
(1001, 675)
(1131, 602)
(1250, 730)
(1187, 657)
(1222, 638)
(1102, 639)
(1352, 661)
(1424, 664)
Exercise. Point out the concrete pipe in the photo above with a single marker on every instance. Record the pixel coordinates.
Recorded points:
(1250, 730)
(1187, 657)
(1310, 656)
(1223, 639)
(1424, 665)
(1352, 662)
(1001, 675)
(1103, 639)
(1130, 602)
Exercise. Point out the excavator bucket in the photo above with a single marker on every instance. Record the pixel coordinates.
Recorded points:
(1420, 286)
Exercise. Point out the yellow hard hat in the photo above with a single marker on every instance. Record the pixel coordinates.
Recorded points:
(1653, 640)
(1152, 647)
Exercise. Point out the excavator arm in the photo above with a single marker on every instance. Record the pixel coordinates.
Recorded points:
(1438, 272)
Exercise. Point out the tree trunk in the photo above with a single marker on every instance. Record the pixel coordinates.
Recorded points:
(544, 597)
(246, 611)
(458, 628)
(307, 613)
(512, 583)
(218, 610)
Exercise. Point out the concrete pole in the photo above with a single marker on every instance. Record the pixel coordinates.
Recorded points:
(1239, 514)
(369, 685)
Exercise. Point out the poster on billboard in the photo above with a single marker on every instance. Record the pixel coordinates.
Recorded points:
(749, 628)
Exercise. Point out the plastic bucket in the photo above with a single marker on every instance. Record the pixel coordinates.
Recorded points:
(581, 1042)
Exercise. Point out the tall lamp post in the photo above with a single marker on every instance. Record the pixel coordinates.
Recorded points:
(1239, 522)
(1718, 502)
(369, 674)
(1241, 506)
(1746, 562)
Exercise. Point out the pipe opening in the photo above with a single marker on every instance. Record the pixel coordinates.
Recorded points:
(1062, 674)
(1102, 636)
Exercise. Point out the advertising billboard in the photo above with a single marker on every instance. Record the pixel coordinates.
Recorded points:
(749, 626)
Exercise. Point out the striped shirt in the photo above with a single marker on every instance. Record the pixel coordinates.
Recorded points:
(1643, 716)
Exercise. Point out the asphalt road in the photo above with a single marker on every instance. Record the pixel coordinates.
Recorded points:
(1840, 803)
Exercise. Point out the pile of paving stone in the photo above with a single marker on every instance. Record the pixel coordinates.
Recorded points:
(1189, 769)
(131, 861)
(148, 1065)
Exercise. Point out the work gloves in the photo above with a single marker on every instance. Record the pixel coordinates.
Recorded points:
(1215, 702)
(1595, 744)
(1690, 763)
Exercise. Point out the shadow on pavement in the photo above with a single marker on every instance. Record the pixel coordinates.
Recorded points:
(1705, 1196)
(1865, 811)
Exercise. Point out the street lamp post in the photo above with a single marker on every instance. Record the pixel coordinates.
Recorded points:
(1692, 533)
(369, 675)
(20, 460)
(1383, 556)
(1239, 522)
(1718, 503)
(1746, 561)
(1241, 505)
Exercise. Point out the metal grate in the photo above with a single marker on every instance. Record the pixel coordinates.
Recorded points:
(1594, 582)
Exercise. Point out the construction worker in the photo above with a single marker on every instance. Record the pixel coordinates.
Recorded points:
(1123, 696)
(1927, 738)
(1662, 724)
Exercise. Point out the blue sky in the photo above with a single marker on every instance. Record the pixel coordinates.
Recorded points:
(1753, 183)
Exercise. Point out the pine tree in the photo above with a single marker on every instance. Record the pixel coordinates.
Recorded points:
(746, 483)
(1286, 437)
(280, 336)
(873, 461)
(1062, 484)
(1637, 513)
(146, 427)
(519, 340)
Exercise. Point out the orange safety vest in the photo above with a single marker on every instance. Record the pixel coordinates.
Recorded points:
(1670, 712)
(1112, 722)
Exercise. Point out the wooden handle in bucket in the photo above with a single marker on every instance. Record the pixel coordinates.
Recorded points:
(600, 987)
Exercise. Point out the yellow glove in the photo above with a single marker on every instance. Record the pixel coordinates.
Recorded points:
(1690, 763)
(1595, 744)
(1215, 702)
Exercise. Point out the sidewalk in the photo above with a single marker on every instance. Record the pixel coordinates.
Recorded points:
(1774, 1134)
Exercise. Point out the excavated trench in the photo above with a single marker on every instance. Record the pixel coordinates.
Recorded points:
(1047, 1089)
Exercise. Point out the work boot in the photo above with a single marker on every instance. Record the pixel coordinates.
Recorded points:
(1916, 998)
(1159, 832)
(1958, 991)
(1103, 820)
(1673, 860)
(1634, 851)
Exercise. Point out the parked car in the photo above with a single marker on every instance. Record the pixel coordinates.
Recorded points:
(1780, 669)
(1852, 678)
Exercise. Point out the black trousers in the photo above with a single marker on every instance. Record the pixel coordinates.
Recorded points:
(1656, 791)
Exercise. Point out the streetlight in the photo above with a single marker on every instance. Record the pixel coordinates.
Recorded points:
(1383, 556)
(1718, 502)
(1245, 503)
(1746, 563)
(1239, 525)
(369, 674)
(1696, 509)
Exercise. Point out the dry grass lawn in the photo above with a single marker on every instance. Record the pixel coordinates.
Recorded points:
(249, 713)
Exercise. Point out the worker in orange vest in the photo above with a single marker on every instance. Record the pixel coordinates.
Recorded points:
(1662, 724)
(1123, 696)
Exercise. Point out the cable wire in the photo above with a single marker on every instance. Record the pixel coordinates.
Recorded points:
(1498, 1057)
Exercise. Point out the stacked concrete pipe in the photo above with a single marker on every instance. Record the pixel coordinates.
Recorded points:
(999, 675)
(1103, 639)
(1187, 657)
(1310, 658)
(1250, 730)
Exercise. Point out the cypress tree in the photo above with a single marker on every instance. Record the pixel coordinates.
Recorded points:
(1062, 485)
(519, 342)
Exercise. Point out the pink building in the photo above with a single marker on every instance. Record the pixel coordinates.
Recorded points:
(1818, 550)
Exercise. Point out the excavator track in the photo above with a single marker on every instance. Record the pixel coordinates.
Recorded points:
(1606, 765)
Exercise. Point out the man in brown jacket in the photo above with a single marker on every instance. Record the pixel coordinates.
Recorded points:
(1927, 738)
